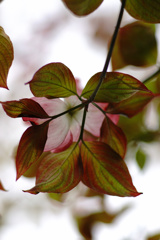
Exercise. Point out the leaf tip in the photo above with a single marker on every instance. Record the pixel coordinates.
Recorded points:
(32, 191)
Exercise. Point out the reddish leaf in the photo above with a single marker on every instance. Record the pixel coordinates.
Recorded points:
(132, 105)
(53, 80)
(24, 108)
(141, 52)
(147, 11)
(82, 7)
(6, 57)
(30, 147)
(58, 172)
(113, 135)
(1, 187)
(104, 170)
(115, 87)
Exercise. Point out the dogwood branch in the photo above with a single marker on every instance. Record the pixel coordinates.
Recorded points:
(110, 51)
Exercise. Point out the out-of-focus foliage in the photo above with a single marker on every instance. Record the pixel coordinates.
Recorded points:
(1, 187)
(140, 52)
(82, 7)
(154, 237)
(6, 57)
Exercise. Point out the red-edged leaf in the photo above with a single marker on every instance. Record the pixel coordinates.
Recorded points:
(104, 170)
(132, 105)
(58, 172)
(53, 80)
(140, 52)
(1, 187)
(30, 147)
(24, 108)
(115, 87)
(113, 135)
(82, 7)
(147, 11)
(6, 57)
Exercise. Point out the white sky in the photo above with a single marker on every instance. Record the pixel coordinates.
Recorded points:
(34, 216)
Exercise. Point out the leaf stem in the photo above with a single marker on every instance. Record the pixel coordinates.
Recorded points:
(151, 76)
(103, 74)
(83, 122)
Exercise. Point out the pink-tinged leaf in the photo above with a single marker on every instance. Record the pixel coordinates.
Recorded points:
(113, 135)
(6, 57)
(140, 52)
(131, 106)
(147, 11)
(30, 147)
(104, 170)
(58, 172)
(53, 80)
(1, 187)
(115, 87)
(82, 7)
(24, 108)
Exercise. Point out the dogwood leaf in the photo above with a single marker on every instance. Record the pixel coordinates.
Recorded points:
(114, 88)
(104, 170)
(131, 106)
(82, 7)
(58, 172)
(113, 135)
(24, 108)
(30, 147)
(6, 57)
(140, 52)
(1, 187)
(53, 80)
(147, 11)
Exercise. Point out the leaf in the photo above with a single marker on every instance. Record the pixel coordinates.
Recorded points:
(1, 187)
(30, 147)
(135, 45)
(113, 135)
(53, 80)
(104, 170)
(114, 88)
(147, 11)
(58, 172)
(154, 237)
(6, 57)
(82, 7)
(131, 106)
(141, 158)
(86, 223)
(24, 108)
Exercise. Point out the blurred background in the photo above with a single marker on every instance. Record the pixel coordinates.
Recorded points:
(44, 32)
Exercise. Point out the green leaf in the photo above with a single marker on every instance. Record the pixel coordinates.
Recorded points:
(58, 172)
(104, 170)
(141, 158)
(114, 88)
(147, 11)
(113, 135)
(30, 147)
(24, 108)
(82, 7)
(6, 57)
(53, 80)
(131, 106)
(135, 45)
